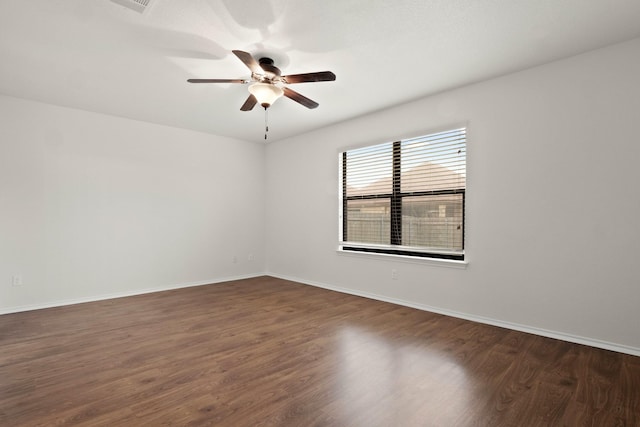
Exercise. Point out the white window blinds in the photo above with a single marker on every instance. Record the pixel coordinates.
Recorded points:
(406, 197)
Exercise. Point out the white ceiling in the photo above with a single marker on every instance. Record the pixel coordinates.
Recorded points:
(99, 56)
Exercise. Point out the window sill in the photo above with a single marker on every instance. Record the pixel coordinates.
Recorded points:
(437, 262)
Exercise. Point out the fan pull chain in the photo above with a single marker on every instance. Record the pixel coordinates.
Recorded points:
(266, 122)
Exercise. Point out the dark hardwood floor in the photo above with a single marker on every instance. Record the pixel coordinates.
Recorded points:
(267, 352)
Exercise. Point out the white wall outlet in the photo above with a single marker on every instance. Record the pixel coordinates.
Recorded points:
(235, 259)
(394, 274)
(250, 257)
(16, 280)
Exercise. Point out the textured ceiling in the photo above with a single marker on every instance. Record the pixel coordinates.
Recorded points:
(99, 56)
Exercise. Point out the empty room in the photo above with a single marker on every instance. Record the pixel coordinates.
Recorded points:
(297, 213)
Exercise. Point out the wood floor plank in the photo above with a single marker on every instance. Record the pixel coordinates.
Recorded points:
(269, 352)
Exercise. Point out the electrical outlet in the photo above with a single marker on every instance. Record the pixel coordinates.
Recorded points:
(16, 280)
(235, 259)
(394, 274)
(250, 257)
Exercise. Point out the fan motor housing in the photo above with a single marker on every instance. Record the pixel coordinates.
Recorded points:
(271, 71)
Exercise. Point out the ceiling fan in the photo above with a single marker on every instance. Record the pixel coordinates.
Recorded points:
(269, 84)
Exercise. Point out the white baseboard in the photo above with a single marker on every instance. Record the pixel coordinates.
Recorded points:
(620, 348)
(508, 325)
(59, 303)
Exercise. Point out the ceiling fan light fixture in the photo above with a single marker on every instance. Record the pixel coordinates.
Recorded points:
(265, 93)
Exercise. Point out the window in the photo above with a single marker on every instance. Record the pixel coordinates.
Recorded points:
(405, 197)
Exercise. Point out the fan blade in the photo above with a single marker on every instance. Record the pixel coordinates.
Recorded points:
(320, 76)
(217, 81)
(249, 103)
(300, 99)
(248, 60)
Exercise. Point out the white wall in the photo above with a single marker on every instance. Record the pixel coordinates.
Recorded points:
(94, 206)
(552, 204)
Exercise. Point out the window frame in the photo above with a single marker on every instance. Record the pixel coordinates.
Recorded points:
(395, 197)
